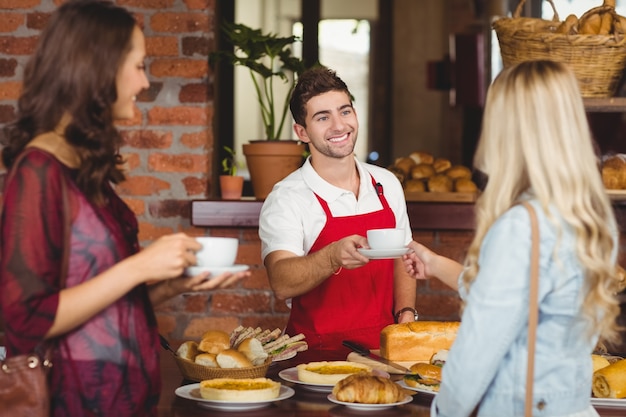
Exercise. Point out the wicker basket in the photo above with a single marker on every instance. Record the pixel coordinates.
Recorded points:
(597, 60)
(194, 372)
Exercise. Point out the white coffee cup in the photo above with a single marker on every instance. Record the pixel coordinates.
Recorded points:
(380, 239)
(217, 251)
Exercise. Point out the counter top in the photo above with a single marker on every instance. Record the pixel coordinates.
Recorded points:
(303, 404)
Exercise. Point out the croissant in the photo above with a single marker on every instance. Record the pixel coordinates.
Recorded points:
(368, 389)
(610, 381)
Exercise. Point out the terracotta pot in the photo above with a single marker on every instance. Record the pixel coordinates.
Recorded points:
(270, 162)
(231, 187)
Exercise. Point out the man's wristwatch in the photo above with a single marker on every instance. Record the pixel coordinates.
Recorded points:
(402, 310)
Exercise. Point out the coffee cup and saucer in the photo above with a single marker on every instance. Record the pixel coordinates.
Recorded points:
(217, 256)
(385, 244)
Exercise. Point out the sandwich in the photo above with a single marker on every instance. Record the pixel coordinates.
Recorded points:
(424, 375)
(248, 390)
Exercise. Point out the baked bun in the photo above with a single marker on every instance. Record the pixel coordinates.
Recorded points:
(405, 164)
(416, 341)
(610, 381)
(421, 171)
(614, 172)
(465, 185)
(400, 174)
(424, 375)
(422, 157)
(230, 358)
(207, 359)
(368, 389)
(459, 171)
(440, 183)
(441, 164)
(414, 185)
(329, 372)
(239, 390)
(253, 349)
(188, 350)
(214, 341)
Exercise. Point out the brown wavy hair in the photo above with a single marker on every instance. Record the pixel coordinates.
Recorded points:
(73, 73)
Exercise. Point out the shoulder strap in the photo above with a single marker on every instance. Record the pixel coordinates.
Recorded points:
(533, 312)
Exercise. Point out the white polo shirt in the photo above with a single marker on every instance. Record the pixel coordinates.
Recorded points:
(292, 218)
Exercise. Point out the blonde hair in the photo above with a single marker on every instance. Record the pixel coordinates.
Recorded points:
(535, 137)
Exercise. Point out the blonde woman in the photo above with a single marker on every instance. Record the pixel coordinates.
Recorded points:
(535, 146)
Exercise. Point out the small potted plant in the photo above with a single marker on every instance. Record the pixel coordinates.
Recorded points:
(269, 59)
(231, 184)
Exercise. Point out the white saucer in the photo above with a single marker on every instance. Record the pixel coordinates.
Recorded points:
(383, 253)
(192, 392)
(215, 270)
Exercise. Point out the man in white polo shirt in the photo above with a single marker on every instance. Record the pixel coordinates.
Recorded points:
(313, 222)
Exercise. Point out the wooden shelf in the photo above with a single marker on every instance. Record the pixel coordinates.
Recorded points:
(605, 105)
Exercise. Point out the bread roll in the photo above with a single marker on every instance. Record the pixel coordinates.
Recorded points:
(405, 164)
(414, 185)
(368, 389)
(206, 359)
(188, 350)
(441, 164)
(253, 349)
(329, 372)
(440, 183)
(422, 157)
(421, 171)
(214, 341)
(459, 171)
(465, 185)
(230, 358)
(416, 341)
(614, 172)
(239, 390)
(610, 381)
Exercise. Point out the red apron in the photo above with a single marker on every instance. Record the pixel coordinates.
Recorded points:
(354, 304)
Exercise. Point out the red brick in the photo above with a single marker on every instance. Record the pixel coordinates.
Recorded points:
(196, 302)
(137, 206)
(179, 67)
(249, 253)
(131, 161)
(13, 45)
(148, 139)
(438, 307)
(7, 67)
(37, 20)
(195, 139)
(18, 4)
(10, 90)
(195, 186)
(7, 113)
(9, 22)
(193, 93)
(198, 326)
(197, 45)
(166, 325)
(243, 304)
(161, 46)
(179, 22)
(257, 280)
(146, 4)
(177, 163)
(281, 307)
(170, 208)
(200, 4)
(142, 185)
(151, 93)
(150, 232)
(181, 115)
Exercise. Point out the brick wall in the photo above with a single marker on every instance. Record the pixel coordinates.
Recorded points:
(169, 156)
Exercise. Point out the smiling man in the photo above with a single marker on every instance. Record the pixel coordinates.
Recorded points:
(315, 220)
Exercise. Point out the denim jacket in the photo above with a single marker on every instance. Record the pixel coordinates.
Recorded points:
(486, 365)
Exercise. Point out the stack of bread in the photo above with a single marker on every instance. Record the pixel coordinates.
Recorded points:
(422, 172)
(417, 341)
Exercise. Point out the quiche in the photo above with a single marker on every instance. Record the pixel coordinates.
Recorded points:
(329, 372)
(247, 389)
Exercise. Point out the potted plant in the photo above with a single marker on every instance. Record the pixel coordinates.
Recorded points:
(231, 184)
(269, 59)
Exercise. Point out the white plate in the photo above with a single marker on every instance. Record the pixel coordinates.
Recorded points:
(291, 375)
(383, 253)
(215, 270)
(418, 389)
(609, 402)
(192, 392)
(368, 407)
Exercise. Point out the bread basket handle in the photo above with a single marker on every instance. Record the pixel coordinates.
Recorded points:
(520, 6)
